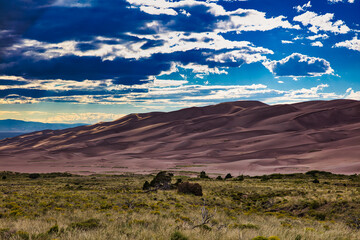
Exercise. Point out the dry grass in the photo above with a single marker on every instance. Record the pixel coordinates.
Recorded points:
(289, 208)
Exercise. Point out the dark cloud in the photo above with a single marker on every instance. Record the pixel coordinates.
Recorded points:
(123, 71)
(16, 17)
(39, 93)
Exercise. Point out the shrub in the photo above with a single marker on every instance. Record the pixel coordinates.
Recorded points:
(219, 178)
(203, 175)
(3, 177)
(190, 188)
(162, 180)
(316, 181)
(178, 236)
(228, 176)
(265, 178)
(240, 178)
(86, 225)
(34, 175)
(178, 181)
(146, 185)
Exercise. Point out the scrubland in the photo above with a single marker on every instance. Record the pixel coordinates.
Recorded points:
(294, 206)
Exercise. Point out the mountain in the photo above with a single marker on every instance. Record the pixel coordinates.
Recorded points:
(244, 137)
(12, 128)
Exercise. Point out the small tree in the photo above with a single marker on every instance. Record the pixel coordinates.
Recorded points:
(203, 175)
(228, 176)
(219, 178)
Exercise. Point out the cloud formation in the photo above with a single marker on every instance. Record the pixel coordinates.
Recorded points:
(299, 65)
(322, 23)
(353, 44)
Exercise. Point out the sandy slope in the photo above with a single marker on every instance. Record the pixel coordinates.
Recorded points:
(245, 137)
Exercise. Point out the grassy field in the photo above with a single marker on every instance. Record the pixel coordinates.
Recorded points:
(64, 206)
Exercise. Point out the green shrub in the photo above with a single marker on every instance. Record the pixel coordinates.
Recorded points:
(219, 178)
(240, 178)
(162, 180)
(228, 176)
(86, 225)
(178, 236)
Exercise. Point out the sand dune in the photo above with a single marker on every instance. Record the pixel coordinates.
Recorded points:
(244, 137)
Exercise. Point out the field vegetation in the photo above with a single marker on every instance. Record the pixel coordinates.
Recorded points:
(315, 205)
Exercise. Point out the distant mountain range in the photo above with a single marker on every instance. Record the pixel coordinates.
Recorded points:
(244, 137)
(12, 128)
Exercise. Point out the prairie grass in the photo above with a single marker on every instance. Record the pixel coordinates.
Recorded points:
(63, 206)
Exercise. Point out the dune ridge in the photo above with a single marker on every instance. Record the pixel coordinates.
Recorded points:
(243, 137)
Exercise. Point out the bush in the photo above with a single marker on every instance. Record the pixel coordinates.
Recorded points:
(178, 236)
(146, 185)
(162, 180)
(190, 188)
(316, 181)
(203, 175)
(86, 225)
(34, 175)
(178, 181)
(219, 178)
(228, 176)
(3, 177)
(240, 178)
(265, 178)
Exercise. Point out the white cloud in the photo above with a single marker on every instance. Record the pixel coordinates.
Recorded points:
(317, 44)
(73, 3)
(353, 44)
(299, 65)
(240, 19)
(314, 37)
(322, 23)
(337, 1)
(303, 7)
(351, 94)
(172, 42)
(286, 42)
(304, 94)
(158, 11)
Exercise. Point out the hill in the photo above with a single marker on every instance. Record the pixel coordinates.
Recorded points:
(244, 137)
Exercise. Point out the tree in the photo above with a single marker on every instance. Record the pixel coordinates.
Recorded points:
(203, 175)
(228, 176)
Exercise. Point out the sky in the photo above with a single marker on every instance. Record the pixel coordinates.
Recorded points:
(88, 61)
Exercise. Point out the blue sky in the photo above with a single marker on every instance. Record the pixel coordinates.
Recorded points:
(91, 60)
